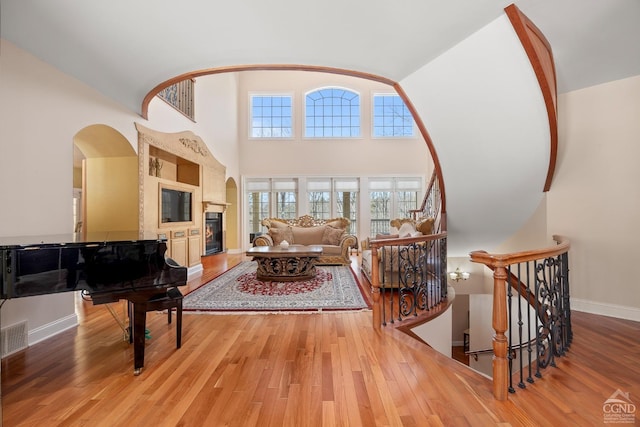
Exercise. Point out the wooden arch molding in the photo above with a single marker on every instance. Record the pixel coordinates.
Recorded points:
(291, 67)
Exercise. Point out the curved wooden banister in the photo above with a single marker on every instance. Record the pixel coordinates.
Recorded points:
(502, 260)
(403, 241)
(538, 50)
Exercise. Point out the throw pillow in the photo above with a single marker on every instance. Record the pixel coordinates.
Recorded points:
(332, 236)
(278, 224)
(406, 229)
(280, 234)
(425, 225)
(308, 235)
(341, 223)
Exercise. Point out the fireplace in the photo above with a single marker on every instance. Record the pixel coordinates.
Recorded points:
(213, 232)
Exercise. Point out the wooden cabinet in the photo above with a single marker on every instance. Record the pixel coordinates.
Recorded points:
(185, 246)
(194, 246)
(178, 247)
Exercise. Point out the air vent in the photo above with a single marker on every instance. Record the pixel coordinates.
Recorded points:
(14, 338)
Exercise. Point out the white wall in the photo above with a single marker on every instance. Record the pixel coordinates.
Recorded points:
(324, 157)
(595, 195)
(437, 332)
(41, 109)
(482, 106)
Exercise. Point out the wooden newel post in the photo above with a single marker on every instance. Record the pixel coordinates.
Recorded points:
(375, 290)
(500, 344)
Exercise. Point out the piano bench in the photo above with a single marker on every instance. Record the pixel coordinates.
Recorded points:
(172, 299)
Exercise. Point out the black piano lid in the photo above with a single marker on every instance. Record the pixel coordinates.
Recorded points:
(79, 239)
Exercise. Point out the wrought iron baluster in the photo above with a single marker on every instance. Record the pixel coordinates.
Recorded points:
(529, 337)
(509, 323)
(538, 316)
(520, 324)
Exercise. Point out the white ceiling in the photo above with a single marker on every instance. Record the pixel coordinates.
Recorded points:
(125, 48)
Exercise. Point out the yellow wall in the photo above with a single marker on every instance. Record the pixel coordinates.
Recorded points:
(232, 230)
(111, 193)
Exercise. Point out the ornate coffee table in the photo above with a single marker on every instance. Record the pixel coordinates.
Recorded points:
(276, 263)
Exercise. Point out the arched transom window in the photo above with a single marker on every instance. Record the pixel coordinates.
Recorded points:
(332, 113)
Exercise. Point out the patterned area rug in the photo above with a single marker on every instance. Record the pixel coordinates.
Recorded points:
(333, 288)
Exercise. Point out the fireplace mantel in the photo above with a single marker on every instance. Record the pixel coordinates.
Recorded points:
(211, 205)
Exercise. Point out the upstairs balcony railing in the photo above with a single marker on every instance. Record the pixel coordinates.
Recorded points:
(409, 275)
(531, 313)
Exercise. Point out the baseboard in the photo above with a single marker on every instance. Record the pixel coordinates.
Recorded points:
(604, 309)
(53, 328)
(195, 270)
(235, 251)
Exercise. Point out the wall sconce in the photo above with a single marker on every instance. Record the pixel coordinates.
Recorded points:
(458, 275)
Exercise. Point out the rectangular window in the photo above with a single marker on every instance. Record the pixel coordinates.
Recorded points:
(258, 197)
(392, 198)
(266, 198)
(285, 193)
(391, 117)
(319, 192)
(346, 191)
(271, 116)
(334, 197)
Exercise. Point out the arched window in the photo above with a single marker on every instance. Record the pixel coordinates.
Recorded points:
(332, 113)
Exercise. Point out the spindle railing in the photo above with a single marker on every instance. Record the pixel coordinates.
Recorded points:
(408, 276)
(531, 312)
(431, 206)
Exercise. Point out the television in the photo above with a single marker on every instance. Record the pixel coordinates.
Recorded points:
(175, 205)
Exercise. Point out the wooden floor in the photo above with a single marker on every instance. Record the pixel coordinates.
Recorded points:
(298, 370)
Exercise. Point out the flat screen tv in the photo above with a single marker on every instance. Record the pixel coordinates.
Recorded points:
(175, 205)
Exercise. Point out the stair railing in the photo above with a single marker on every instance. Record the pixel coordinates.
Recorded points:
(408, 277)
(431, 205)
(541, 278)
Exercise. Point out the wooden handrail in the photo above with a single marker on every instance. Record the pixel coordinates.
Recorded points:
(503, 260)
(432, 181)
(538, 50)
(499, 264)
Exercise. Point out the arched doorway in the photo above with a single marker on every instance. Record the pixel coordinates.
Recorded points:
(105, 181)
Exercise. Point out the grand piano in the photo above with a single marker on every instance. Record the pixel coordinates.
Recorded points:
(107, 266)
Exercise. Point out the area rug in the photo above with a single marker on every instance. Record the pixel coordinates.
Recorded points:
(333, 288)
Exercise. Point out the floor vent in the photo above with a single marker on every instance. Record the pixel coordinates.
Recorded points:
(14, 338)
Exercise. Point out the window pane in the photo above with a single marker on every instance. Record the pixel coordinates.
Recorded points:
(407, 201)
(391, 117)
(286, 206)
(380, 211)
(332, 113)
(268, 118)
(258, 204)
(319, 204)
(347, 206)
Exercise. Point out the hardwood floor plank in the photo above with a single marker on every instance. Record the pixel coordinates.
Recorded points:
(319, 369)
